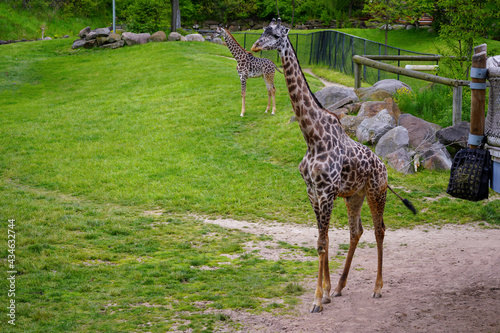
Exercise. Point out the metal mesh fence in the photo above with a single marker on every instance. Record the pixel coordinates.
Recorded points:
(334, 49)
(492, 122)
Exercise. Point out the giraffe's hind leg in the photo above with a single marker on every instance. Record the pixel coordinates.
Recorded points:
(354, 204)
(271, 91)
(377, 205)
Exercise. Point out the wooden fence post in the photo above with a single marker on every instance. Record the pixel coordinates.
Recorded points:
(357, 75)
(478, 96)
(457, 105)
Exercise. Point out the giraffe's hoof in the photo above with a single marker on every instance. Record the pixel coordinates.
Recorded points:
(326, 300)
(336, 294)
(316, 308)
(376, 295)
(242, 115)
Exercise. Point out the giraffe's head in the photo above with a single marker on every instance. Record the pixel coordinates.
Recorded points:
(273, 38)
(218, 32)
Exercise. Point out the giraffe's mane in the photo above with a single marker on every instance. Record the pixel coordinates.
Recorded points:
(303, 76)
(234, 39)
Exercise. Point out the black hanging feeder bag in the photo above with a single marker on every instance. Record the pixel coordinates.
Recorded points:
(470, 174)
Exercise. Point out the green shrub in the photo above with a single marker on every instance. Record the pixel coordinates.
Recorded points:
(147, 16)
(433, 104)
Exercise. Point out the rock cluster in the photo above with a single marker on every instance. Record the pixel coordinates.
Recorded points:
(176, 37)
(106, 38)
(406, 142)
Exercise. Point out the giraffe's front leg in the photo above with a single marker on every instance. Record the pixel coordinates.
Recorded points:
(321, 199)
(323, 286)
(243, 80)
(327, 286)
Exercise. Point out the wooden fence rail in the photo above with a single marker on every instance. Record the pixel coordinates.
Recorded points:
(372, 61)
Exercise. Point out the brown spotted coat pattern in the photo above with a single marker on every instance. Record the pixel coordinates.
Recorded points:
(250, 66)
(333, 166)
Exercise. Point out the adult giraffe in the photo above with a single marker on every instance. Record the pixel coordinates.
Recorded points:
(334, 166)
(250, 66)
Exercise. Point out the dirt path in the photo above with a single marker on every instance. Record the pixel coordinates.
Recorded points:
(435, 280)
(325, 82)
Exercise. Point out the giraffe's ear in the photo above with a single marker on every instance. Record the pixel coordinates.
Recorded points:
(285, 31)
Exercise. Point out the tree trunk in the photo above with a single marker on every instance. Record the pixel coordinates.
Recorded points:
(293, 11)
(176, 16)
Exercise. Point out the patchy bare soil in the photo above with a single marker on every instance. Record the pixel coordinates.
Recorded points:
(435, 280)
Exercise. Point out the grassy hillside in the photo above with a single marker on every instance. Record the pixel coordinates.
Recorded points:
(107, 154)
(22, 24)
(157, 126)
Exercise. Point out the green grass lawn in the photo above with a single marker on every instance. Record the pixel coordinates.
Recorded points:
(24, 24)
(91, 139)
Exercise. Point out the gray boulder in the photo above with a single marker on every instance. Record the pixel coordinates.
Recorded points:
(115, 45)
(102, 40)
(401, 161)
(195, 38)
(112, 37)
(78, 43)
(398, 27)
(381, 90)
(372, 129)
(91, 35)
(83, 33)
(351, 123)
(174, 36)
(372, 108)
(102, 32)
(131, 38)
(90, 44)
(454, 137)
(435, 157)
(158, 36)
(391, 141)
(329, 96)
(217, 40)
(422, 133)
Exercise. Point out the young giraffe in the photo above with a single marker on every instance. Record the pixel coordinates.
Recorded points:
(250, 66)
(334, 166)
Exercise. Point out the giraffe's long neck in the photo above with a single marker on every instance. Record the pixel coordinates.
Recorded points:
(307, 108)
(234, 47)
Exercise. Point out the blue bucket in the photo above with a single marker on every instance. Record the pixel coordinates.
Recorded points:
(495, 157)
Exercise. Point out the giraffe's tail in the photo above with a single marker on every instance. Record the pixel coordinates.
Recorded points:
(278, 69)
(406, 202)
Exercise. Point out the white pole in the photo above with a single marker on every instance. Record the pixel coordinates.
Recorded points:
(114, 17)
